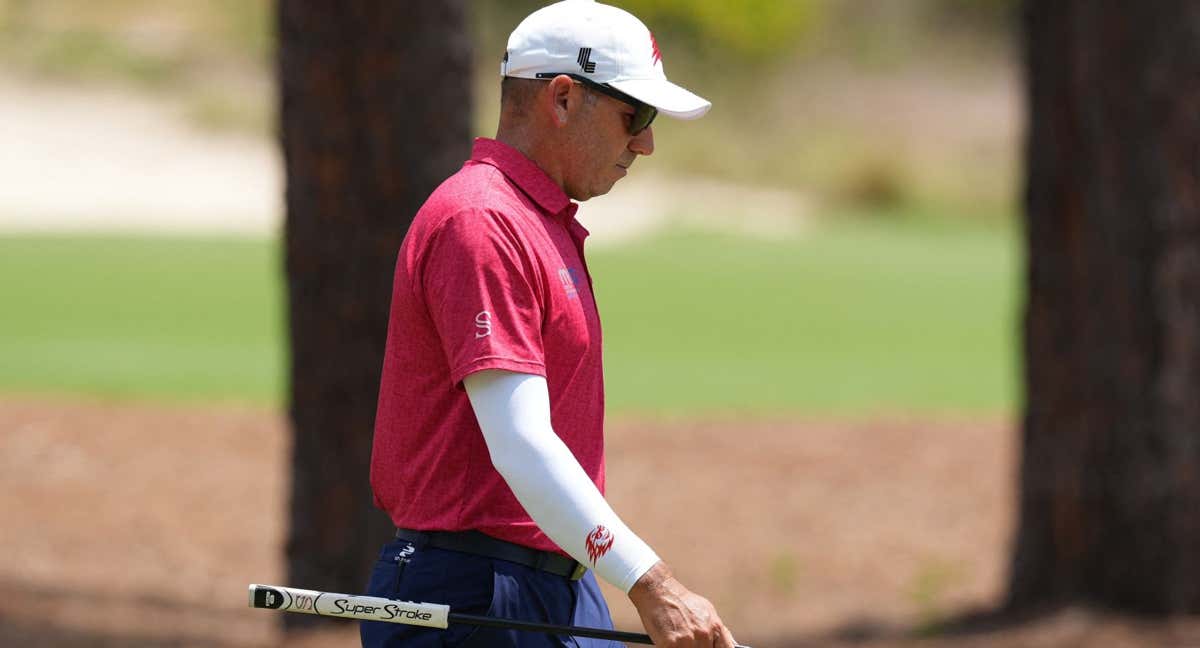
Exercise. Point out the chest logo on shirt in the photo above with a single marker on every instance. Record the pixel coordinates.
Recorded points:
(483, 322)
(570, 280)
(598, 542)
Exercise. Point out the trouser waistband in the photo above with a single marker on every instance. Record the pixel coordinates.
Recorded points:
(481, 544)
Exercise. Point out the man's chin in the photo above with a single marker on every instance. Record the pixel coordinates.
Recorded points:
(595, 191)
(608, 187)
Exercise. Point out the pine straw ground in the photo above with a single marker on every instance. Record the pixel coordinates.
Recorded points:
(136, 525)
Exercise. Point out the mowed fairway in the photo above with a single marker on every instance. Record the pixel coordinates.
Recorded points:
(857, 318)
(142, 317)
(852, 318)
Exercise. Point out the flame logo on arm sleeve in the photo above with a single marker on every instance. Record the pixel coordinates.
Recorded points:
(598, 542)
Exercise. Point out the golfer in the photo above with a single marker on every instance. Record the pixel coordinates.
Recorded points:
(489, 447)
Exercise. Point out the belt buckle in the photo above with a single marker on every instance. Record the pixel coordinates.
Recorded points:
(578, 572)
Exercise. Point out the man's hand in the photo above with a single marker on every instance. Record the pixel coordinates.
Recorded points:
(674, 616)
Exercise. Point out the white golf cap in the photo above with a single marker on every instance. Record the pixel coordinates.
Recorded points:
(602, 43)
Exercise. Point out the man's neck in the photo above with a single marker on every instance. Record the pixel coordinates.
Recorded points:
(532, 149)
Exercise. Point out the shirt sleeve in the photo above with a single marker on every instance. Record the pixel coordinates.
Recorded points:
(483, 295)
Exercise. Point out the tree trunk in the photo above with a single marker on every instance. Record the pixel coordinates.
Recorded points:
(1110, 475)
(374, 113)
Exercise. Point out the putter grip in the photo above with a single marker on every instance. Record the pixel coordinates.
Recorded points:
(348, 606)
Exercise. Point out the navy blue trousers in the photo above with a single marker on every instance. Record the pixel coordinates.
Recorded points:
(478, 585)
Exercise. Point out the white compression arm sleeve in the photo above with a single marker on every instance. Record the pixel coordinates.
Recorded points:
(514, 413)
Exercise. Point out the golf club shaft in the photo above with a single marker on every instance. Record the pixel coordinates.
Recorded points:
(550, 628)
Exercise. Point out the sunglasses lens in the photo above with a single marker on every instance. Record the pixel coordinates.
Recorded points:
(643, 117)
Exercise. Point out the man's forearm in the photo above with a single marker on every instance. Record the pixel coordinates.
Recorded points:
(513, 410)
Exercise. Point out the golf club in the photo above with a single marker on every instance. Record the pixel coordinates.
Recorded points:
(430, 615)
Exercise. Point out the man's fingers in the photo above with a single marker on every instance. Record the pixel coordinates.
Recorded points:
(722, 637)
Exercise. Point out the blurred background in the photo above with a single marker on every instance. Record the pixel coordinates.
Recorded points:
(858, 172)
(810, 301)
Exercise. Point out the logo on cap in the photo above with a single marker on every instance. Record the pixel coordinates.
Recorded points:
(585, 54)
(654, 45)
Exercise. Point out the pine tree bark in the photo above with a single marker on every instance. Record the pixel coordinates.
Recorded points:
(1110, 475)
(375, 111)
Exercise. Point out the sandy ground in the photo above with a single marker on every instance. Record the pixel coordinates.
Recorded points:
(136, 525)
(104, 160)
(147, 523)
(99, 159)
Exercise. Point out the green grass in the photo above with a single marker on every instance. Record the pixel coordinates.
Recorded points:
(862, 318)
(141, 317)
(857, 318)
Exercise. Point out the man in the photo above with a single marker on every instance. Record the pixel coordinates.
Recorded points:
(489, 451)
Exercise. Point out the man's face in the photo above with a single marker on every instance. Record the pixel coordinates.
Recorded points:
(600, 148)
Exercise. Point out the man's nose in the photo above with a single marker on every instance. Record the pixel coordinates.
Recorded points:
(643, 142)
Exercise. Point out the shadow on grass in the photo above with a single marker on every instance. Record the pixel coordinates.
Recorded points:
(33, 615)
(37, 616)
(985, 626)
(44, 635)
(1067, 626)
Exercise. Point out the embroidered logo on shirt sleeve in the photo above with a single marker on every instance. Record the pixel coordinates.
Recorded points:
(598, 542)
(483, 321)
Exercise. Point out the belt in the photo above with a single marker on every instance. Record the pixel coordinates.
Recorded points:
(480, 544)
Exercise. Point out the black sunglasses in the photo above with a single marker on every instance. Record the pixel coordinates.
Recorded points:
(643, 113)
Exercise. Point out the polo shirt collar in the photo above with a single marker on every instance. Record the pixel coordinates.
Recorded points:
(525, 174)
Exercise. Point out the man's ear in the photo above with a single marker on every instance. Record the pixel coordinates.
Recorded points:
(559, 95)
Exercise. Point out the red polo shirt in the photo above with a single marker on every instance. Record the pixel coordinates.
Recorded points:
(491, 275)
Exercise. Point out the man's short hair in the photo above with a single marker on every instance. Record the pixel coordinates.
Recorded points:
(516, 93)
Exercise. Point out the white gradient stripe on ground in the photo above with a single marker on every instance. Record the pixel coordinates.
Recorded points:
(100, 160)
(104, 160)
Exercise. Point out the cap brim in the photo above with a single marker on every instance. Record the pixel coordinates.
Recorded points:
(670, 99)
